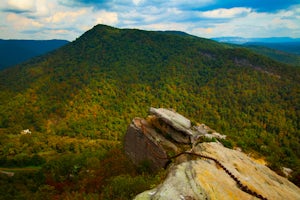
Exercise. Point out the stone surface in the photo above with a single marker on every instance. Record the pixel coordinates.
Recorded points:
(152, 139)
(219, 173)
(177, 121)
(287, 171)
(202, 129)
(179, 127)
(204, 179)
(143, 144)
(168, 131)
(172, 117)
(163, 133)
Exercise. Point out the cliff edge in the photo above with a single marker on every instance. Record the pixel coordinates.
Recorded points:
(199, 170)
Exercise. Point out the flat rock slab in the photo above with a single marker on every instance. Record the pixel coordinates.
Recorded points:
(204, 179)
(173, 119)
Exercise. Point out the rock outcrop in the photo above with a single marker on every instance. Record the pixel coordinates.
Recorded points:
(200, 170)
(205, 179)
(144, 144)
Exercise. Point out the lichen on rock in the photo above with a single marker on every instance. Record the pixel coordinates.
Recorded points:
(200, 170)
(205, 179)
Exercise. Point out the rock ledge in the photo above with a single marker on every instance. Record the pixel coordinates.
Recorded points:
(220, 173)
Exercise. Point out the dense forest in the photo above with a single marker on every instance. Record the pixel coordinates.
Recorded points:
(279, 55)
(78, 101)
(289, 47)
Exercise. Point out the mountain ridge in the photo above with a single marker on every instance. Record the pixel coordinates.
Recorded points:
(242, 40)
(15, 51)
(282, 49)
(91, 88)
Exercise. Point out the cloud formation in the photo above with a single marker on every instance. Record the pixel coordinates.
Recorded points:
(19, 5)
(225, 13)
(68, 19)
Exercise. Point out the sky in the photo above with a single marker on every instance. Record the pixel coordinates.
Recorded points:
(69, 19)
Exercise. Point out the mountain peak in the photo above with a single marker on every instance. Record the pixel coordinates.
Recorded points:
(91, 88)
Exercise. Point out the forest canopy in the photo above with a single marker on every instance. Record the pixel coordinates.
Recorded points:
(78, 101)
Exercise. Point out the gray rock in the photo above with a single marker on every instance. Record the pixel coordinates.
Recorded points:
(168, 131)
(205, 179)
(177, 121)
(180, 184)
(143, 144)
(287, 171)
(153, 139)
(206, 131)
(223, 174)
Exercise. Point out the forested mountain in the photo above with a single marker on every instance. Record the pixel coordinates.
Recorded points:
(279, 55)
(289, 47)
(13, 52)
(78, 101)
(286, 50)
(268, 40)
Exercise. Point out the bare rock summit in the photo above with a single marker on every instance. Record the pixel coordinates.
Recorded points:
(199, 170)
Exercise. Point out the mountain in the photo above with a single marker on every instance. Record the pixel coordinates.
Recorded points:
(282, 49)
(13, 52)
(290, 47)
(78, 100)
(241, 40)
(272, 52)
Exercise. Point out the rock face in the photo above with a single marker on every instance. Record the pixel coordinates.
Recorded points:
(199, 170)
(160, 135)
(144, 144)
(205, 179)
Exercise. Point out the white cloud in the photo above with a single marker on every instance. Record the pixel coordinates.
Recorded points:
(186, 4)
(253, 24)
(164, 26)
(43, 8)
(69, 16)
(21, 5)
(45, 19)
(136, 2)
(20, 22)
(104, 17)
(225, 13)
(49, 20)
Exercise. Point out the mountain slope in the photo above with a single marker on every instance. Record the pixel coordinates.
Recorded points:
(13, 52)
(290, 47)
(94, 86)
(270, 40)
(278, 55)
(284, 50)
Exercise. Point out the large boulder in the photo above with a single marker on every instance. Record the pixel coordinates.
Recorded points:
(199, 170)
(233, 175)
(163, 133)
(144, 145)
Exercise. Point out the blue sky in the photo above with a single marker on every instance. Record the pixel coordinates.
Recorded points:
(68, 19)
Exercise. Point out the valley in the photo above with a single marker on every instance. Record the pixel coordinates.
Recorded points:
(78, 101)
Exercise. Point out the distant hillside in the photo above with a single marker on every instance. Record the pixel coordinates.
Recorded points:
(91, 89)
(286, 50)
(286, 44)
(272, 52)
(290, 47)
(13, 52)
(241, 40)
